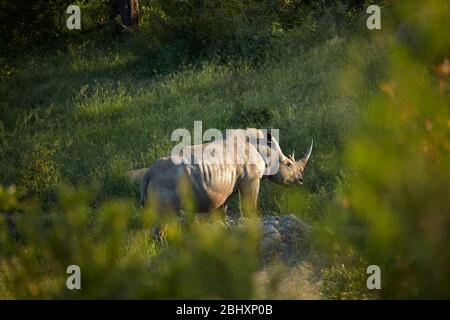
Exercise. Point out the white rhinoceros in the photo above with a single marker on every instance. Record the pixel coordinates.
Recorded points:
(214, 172)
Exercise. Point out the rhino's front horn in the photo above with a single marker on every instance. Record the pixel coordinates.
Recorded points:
(305, 158)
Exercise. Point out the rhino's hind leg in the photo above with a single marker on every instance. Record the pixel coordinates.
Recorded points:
(223, 209)
(167, 212)
(159, 235)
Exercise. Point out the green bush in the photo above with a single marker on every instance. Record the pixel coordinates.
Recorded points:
(397, 196)
(116, 253)
(40, 26)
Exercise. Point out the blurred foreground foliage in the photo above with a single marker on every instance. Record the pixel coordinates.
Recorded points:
(399, 156)
(116, 253)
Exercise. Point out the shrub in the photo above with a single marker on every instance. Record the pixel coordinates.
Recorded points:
(116, 253)
(399, 158)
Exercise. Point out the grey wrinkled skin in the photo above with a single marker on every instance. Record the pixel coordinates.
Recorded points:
(212, 183)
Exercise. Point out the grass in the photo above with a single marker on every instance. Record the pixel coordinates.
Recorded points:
(86, 117)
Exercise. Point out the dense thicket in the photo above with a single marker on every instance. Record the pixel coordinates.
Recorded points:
(196, 26)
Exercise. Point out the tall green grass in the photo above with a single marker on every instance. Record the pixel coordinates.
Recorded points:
(86, 118)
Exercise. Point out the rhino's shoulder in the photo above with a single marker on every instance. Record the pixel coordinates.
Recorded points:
(255, 165)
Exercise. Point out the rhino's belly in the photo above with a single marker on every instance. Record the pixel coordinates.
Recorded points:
(212, 184)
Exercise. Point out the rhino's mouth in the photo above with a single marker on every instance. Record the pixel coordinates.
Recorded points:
(293, 184)
(296, 183)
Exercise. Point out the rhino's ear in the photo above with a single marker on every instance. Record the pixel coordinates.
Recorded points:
(269, 137)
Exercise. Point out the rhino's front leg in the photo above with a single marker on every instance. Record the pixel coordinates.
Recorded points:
(223, 209)
(248, 197)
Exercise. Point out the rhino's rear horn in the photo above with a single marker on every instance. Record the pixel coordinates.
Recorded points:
(305, 158)
(292, 156)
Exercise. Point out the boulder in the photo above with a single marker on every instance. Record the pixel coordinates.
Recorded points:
(286, 237)
(283, 237)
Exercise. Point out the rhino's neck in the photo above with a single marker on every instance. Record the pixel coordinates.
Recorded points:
(272, 158)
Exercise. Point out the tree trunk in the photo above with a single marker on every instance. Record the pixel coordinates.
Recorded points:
(128, 10)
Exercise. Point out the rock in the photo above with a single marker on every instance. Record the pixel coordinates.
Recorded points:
(286, 237)
(270, 242)
(295, 236)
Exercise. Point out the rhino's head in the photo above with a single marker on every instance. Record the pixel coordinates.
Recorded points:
(290, 171)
